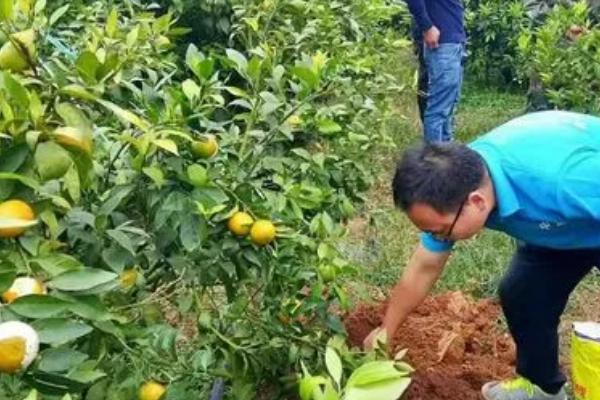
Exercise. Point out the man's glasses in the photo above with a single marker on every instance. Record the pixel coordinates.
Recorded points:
(449, 234)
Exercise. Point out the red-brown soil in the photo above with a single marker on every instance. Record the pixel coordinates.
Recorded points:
(455, 344)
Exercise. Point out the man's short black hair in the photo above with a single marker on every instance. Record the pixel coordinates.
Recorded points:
(438, 174)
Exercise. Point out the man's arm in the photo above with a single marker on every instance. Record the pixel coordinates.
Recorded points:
(423, 270)
(419, 12)
(431, 34)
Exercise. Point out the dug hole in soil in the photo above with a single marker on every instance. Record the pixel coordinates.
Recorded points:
(454, 342)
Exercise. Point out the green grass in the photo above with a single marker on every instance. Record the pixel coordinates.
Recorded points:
(482, 108)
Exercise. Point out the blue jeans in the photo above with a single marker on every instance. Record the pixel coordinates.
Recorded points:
(445, 70)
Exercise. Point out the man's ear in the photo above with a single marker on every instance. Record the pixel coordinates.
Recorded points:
(477, 199)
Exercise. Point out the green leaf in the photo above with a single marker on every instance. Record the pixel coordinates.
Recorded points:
(190, 234)
(36, 109)
(306, 75)
(117, 258)
(79, 92)
(236, 91)
(40, 5)
(89, 307)
(31, 243)
(310, 387)
(60, 359)
(57, 331)
(87, 376)
(56, 263)
(73, 116)
(132, 36)
(111, 22)
(38, 306)
(87, 65)
(190, 89)
(16, 91)
(52, 384)
(156, 174)
(117, 195)
(8, 274)
(125, 115)
(328, 126)
(33, 395)
(57, 14)
(374, 372)
(32, 183)
(166, 144)
(390, 389)
(14, 159)
(334, 365)
(82, 279)
(204, 69)
(238, 58)
(6, 10)
(122, 240)
(72, 184)
(110, 328)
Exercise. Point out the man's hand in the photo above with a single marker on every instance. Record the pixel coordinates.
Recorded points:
(575, 32)
(431, 37)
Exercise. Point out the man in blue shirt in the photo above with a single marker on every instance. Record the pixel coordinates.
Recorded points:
(440, 38)
(537, 178)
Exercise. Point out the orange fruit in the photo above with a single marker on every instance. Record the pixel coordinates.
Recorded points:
(17, 210)
(73, 137)
(328, 272)
(207, 147)
(240, 223)
(23, 286)
(152, 390)
(12, 58)
(19, 346)
(262, 232)
(128, 278)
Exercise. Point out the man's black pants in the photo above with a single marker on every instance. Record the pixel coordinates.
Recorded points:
(534, 293)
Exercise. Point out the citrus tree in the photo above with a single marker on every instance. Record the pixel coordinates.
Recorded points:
(168, 223)
(562, 52)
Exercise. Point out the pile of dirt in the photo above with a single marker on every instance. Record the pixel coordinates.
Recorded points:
(455, 344)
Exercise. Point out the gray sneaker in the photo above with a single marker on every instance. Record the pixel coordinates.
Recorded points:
(518, 389)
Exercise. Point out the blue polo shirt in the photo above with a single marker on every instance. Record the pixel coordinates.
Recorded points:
(545, 168)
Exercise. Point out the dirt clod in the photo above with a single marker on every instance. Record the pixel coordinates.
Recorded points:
(454, 343)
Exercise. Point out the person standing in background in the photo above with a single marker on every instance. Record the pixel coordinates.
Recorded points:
(439, 25)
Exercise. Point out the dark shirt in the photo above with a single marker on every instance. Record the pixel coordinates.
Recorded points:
(446, 15)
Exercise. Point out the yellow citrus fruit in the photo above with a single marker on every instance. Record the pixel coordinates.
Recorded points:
(294, 120)
(262, 232)
(328, 272)
(240, 223)
(52, 161)
(17, 210)
(19, 346)
(13, 58)
(128, 278)
(23, 286)
(207, 147)
(73, 137)
(152, 390)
